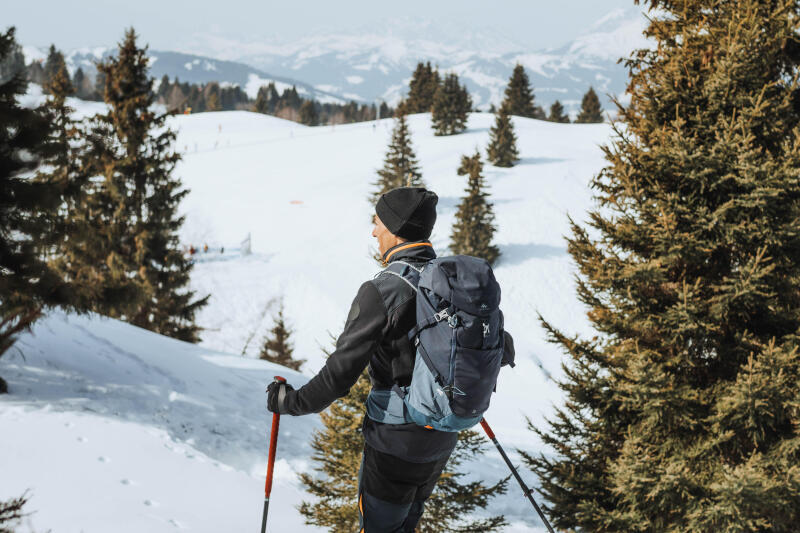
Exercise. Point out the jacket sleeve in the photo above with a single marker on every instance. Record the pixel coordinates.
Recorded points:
(363, 331)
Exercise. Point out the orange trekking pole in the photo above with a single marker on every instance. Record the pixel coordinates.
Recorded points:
(273, 444)
(528, 492)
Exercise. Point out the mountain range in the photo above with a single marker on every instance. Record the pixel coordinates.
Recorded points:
(375, 64)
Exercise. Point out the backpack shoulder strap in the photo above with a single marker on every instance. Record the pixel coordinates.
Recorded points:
(405, 271)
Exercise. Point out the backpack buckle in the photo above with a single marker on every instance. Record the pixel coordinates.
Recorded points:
(441, 315)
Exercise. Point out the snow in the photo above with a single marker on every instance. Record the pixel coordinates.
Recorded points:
(104, 417)
(255, 82)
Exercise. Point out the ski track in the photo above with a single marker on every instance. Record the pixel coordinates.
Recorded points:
(110, 424)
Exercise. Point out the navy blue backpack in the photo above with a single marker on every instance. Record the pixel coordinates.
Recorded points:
(459, 342)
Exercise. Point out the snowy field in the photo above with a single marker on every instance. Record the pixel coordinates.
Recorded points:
(117, 429)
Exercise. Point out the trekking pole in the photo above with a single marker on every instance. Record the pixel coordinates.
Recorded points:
(528, 492)
(273, 444)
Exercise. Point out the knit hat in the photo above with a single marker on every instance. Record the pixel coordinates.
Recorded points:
(408, 212)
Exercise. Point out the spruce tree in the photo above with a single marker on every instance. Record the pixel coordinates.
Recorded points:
(400, 166)
(519, 97)
(682, 414)
(29, 209)
(212, 101)
(277, 347)
(422, 88)
(502, 151)
(308, 113)
(591, 111)
(70, 178)
(12, 63)
(262, 103)
(557, 113)
(474, 225)
(12, 513)
(129, 252)
(35, 72)
(451, 106)
(55, 64)
(337, 453)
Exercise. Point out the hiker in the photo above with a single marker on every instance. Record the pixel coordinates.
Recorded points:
(401, 461)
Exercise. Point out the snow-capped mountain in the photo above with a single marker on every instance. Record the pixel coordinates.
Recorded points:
(191, 68)
(375, 63)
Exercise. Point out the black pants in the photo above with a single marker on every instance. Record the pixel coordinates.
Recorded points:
(392, 492)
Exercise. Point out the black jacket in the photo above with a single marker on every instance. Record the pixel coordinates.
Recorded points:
(376, 334)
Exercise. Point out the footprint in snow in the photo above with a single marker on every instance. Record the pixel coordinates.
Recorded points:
(151, 503)
(83, 439)
(104, 459)
(175, 523)
(126, 482)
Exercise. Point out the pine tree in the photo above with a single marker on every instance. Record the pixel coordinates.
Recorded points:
(308, 113)
(29, 209)
(11, 512)
(80, 83)
(12, 63)
(55, 64)
(557, 113)
(682, 414)
(451, 106)
(163, 85)
(519, 97)
(502, 151)
(591, 111)
(69, 177)
(277, 347)
(35, 72)
(212, 102)
(262, 103)
(337, 453)
(422, 88)
(400, 166)
(129, 251)
(474, 226)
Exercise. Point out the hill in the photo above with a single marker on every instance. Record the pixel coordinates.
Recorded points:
(104, 418)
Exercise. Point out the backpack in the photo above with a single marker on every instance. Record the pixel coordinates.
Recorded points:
(458, 338)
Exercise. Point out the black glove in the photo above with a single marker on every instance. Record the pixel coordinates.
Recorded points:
(276, 396)
(508, 350)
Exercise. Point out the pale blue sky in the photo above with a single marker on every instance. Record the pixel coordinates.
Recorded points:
(174, 24)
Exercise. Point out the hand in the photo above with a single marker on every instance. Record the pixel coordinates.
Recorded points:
(508, 350)
(276, 396)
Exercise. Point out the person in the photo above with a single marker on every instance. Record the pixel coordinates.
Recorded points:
(401, 462)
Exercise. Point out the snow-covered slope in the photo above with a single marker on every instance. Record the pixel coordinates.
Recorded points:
(113, 428)
(116, 412)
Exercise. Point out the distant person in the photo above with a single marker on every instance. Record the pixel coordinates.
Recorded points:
(401, 461)
(221, 250)
(205, 248)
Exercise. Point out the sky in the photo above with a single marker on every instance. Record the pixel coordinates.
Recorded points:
(180, 24)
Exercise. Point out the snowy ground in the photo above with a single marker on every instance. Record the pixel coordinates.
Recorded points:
(117, 429)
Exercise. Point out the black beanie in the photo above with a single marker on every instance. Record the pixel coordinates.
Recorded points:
(408, 212)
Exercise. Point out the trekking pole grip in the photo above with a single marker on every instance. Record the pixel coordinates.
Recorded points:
(273, 445)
